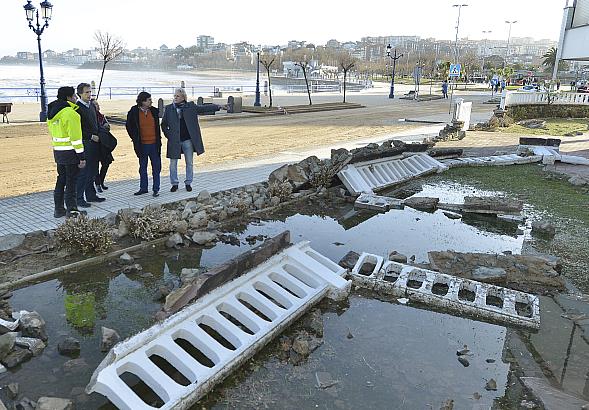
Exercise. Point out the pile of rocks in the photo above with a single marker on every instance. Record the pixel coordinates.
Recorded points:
(452, 132)
(296, 347)
(21, 339)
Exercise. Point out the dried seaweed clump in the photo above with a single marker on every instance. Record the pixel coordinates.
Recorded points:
(282, 190)
(84, 235)
(322, 177)
(152, 223)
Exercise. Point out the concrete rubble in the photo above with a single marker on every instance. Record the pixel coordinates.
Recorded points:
(446, 291)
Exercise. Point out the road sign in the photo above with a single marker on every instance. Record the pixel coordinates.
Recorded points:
(454, 70)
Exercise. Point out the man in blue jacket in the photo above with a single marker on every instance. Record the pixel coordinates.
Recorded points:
(181, 128)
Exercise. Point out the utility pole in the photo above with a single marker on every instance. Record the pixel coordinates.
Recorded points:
(508, 38)
(460, 6)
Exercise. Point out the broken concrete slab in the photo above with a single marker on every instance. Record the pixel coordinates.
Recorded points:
(524, 272)
(446, 291)
(422, 203)
(228, 271)
(377, 203)
(486, 205)
(551, 398)
(493, 160)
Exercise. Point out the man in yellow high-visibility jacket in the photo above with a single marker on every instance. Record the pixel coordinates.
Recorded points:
(68, 150)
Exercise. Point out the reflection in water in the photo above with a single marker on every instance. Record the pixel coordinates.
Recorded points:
(398, 356)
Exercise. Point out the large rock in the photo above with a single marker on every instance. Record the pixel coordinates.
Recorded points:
(6, 344)
(578, 181)
(123, 229)
(17, 356)
(422, 203)
(126, 258)
(487, 274)
(54, 403)
(349, 260)
(204, 238)
(174, 240)
(191, 206)
(69, 347)
(493, 204)
(278, 175)
(109, 338)
(204, 196)
(35, 346)
(180, 226)
(543, 228)
(11, 241)
(199, 220)
(395, 256)
(33, 325)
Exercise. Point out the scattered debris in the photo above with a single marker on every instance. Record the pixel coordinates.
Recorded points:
(109, 338)
(324, 380)
(377, 203)
(463, 361)
(491, 385)
(422, 203)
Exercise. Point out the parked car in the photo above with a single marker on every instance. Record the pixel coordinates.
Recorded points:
(531, 88)
(583, 89)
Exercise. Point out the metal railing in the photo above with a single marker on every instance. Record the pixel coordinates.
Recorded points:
(32, 93)
(537, 98)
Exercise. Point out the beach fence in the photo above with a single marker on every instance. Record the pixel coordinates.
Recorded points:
(11, 94)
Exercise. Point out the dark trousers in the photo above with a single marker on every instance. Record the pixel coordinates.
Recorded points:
(65, 187)
(149, 152)
(99, 180)
(85, 184)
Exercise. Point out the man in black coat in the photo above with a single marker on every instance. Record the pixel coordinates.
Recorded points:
(90, 132)
(143, 126)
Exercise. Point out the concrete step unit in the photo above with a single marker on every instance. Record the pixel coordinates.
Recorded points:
(549, 155)
(382, 173)
(244, 315)
(446, 291)
(494, 160)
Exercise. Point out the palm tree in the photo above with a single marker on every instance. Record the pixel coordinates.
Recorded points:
(550, 59)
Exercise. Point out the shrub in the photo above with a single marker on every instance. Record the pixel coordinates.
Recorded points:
(321, 178)
(150, 224)
(282, 190)
(84, 235)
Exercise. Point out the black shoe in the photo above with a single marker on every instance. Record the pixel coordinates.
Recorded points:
(84, 204)
(74, 213)
(140, 192)
(96, 199)
(58, 213)
(99, 188)
(188, 188)
(156, 194)
(104, 187)
(174, 188)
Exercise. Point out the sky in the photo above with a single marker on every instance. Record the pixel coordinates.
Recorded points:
(151, 23)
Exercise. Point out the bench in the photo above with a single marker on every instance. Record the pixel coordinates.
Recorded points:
(5, 108)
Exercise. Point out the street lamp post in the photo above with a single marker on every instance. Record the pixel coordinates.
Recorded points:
(508, 38)
(484, 50)
(460, 6)
(32, 13)
(257, 102)
(393, 57)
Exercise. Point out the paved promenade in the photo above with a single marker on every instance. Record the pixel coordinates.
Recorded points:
(32, 212)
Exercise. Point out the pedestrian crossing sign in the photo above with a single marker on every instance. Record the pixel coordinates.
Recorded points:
(454, 70)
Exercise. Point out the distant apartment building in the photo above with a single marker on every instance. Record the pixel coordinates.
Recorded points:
(394, 41)
(241, 50)
(25, 55)
(205, 43)
(333, 44)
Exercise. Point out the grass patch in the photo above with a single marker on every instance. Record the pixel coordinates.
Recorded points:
(552, 198)
(554, 126)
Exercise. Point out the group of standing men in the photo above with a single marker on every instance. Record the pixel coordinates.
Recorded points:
(82, 140)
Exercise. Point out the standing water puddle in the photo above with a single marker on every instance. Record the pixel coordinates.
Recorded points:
(378, 353)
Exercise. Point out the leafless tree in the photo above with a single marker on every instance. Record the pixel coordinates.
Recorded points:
(305, 64)
(346, 62)
(109, 48)
(267, 61)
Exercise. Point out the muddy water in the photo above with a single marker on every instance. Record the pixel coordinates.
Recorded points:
(398, 356)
